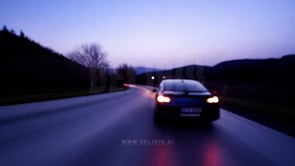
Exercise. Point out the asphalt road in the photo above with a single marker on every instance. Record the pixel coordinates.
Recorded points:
(118, 129)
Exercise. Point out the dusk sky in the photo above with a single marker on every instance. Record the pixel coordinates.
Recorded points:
(159, 33)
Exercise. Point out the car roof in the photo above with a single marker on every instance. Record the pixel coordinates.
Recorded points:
(179, 80)
(185, 81)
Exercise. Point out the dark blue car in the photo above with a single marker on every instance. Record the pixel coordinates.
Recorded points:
(182, 98)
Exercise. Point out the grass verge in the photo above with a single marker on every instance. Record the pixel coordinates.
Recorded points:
(274, 116)
(25, 98)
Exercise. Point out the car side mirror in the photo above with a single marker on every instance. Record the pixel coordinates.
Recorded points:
(155, 90)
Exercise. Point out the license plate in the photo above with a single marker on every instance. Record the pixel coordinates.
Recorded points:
(191, 110)
(189, 115)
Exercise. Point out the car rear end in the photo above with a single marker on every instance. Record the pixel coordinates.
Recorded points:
(186, 103)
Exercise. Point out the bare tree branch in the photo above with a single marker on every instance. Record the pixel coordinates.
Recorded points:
(92, 57)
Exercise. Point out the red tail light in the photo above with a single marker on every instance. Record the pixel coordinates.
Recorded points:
(163, 99)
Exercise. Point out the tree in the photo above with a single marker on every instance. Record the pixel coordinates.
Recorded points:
(22, 34)
(4, 28)
(126, 72)
(12, 31)
(92, 57)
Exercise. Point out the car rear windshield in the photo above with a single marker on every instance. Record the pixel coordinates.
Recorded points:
(191, 86)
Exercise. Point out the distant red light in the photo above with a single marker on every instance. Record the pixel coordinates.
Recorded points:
(214, 92)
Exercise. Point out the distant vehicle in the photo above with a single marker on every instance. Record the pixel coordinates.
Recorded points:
(182, 98)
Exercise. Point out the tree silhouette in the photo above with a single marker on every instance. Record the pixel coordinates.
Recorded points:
(12, 31)
(126, 72)
(22, 34)
(26, 67)
(4, 29)
(92, 57)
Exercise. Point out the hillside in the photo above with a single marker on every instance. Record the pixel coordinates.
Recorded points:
(262, 70)
(191, 72)
(259, 70)
(27, 67)
(142, 69)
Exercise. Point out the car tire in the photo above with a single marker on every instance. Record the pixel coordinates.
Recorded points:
(157, 118)
(215, 118)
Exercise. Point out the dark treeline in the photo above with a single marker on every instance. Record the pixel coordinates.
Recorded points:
(27, 67)
(265, 70)
(261, 80)
(270, 71)
(269, 81)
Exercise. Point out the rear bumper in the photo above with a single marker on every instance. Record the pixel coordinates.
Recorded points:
(210, 112)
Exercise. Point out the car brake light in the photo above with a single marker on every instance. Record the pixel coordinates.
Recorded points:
(163, 99)
(213, 99)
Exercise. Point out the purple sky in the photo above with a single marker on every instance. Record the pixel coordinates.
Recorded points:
(159, 33)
